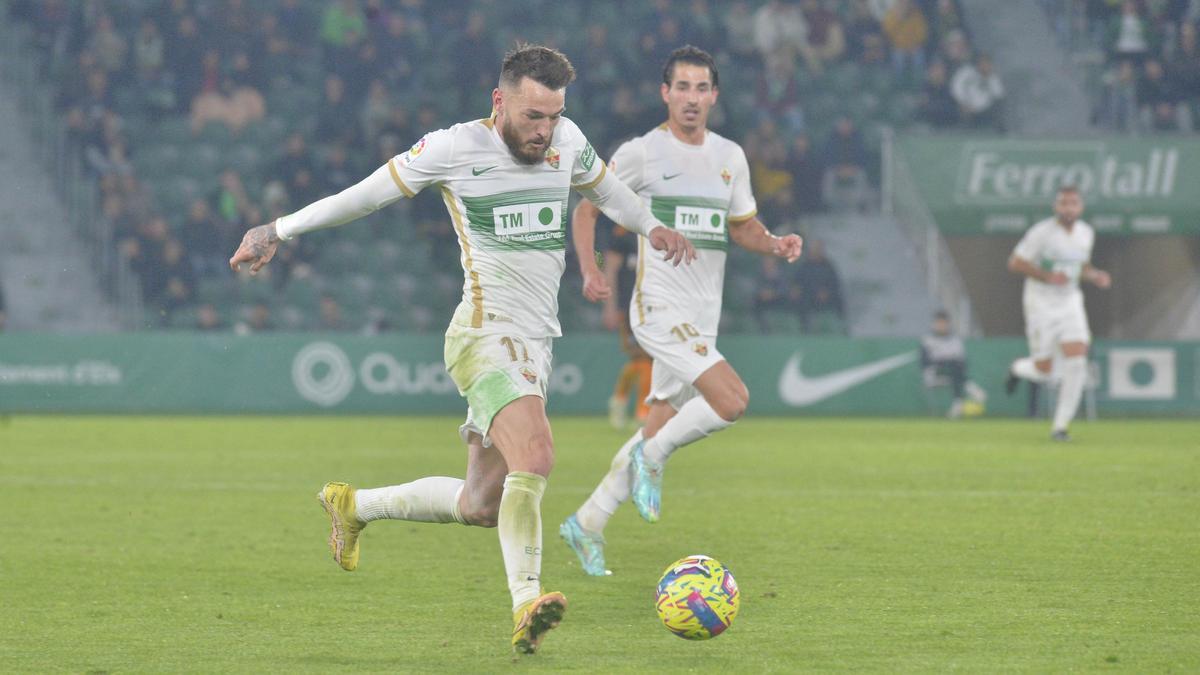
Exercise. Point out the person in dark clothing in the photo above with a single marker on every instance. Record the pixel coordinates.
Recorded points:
(944, 355)
(806, 171)
(206, 238)
(1158, 98)
(938, 108)
(296, 158)
(778, 292)
(844, 186)
(179, 286)
(820, 288)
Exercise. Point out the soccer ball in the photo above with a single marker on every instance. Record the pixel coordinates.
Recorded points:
(697, 598)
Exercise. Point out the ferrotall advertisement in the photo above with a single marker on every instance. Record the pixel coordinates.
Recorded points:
(340, 374)
(1131, 186)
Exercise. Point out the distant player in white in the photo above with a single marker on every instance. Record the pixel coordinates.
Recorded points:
(1054, 256)
(505, 181)
(699, 183)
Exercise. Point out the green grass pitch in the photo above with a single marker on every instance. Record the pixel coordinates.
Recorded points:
(196, 544)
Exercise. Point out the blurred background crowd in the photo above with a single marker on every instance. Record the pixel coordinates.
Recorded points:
(197, 119)
(1141, 56)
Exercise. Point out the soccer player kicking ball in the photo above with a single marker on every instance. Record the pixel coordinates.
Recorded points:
(505, 181)
(699, 183)
(1054, 255)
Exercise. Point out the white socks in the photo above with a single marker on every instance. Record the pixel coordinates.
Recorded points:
(520, 528)
(1024, 369)
(1071, 376)
(428, 500)
(435, 500)
(611, 491)
(1074, 372)
(695, 420)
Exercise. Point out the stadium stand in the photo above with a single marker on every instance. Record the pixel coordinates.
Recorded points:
(196, 119)
(1141, 60)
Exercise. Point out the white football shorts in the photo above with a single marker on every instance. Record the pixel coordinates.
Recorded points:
(680, 352)
(492, 367)
(1048, 327)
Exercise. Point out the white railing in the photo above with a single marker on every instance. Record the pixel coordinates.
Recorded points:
(901, 201)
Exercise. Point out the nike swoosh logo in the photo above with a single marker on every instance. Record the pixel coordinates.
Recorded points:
(674, 175)
(480, 172)
(798, 390)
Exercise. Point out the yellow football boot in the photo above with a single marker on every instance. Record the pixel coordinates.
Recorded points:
(338, 501)
(534, 619)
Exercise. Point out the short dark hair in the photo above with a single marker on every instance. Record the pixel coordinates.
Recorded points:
(941, 314)
(689, 54)
(1068, 188)
(544, 65)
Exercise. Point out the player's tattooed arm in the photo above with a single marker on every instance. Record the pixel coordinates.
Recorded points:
(257, 248)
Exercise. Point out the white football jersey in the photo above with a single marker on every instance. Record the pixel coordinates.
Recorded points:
(696, 190)
(510, 217)
(1051, 247)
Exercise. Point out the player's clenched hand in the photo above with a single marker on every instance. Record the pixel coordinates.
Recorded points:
(1100, 278)
(595, 286)
(257, 248)
(678, 248)
(787, 247)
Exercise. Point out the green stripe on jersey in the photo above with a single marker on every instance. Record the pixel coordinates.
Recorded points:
(520, 220)
(703, 220)
(712, 245)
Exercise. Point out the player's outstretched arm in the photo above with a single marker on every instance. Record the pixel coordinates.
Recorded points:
(367, 196)
(1096, 276)
(583, 233)
(621, 204)
(752, 235)
(257, 248)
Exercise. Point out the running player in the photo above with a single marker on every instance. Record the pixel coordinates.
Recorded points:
(1054, 256)
(699, 183)
(505, 182)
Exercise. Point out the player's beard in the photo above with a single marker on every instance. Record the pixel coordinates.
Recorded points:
(520, 150)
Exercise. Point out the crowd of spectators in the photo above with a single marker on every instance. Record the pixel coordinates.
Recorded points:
(366, 77)
(809, 291)
(1147, 58)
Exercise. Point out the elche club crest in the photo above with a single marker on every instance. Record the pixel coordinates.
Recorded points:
(552, 156)
(726, 176)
